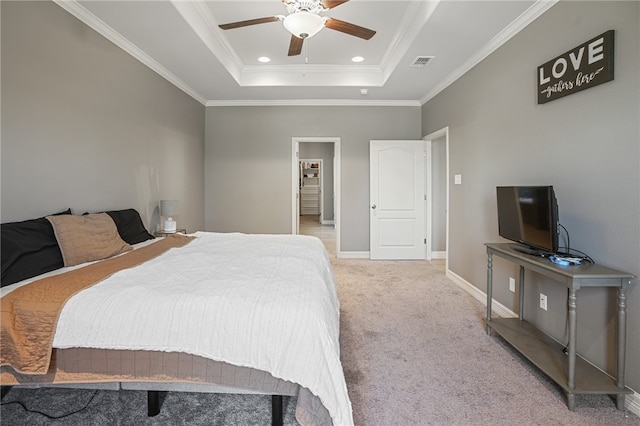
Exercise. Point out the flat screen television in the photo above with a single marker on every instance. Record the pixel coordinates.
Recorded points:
(529, 215)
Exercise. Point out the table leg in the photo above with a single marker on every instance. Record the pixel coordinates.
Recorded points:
(571, 382)
(521, 309)
(489, 288)
(622, 341)
(571, 401)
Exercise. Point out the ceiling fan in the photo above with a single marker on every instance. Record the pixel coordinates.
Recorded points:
(304, 21)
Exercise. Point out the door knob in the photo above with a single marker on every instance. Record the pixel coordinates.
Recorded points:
(373, 206)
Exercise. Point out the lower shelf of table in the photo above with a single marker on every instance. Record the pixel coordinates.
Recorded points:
(547, 354)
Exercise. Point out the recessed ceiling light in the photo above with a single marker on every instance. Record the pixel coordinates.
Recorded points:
(357, 59)
(264, 59)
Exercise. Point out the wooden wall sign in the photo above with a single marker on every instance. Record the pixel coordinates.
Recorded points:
(580, 68)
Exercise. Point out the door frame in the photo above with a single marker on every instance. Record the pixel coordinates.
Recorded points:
(428, 198)
(295, 176)
(429, 140)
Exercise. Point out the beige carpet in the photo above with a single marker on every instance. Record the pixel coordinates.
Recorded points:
(415, 352)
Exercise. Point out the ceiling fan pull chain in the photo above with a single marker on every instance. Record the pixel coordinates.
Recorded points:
(306, 59)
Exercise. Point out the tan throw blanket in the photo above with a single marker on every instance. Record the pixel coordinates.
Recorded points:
(30, 313)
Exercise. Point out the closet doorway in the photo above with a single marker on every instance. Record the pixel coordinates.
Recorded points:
(325, 153)
(312, 187)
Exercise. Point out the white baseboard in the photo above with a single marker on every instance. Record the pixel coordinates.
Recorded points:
(481, 296)
(327, 222)
(365, 255)
(353, 255)
(631, 401)
(438, 255)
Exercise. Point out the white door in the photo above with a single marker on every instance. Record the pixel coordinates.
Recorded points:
(397, 200)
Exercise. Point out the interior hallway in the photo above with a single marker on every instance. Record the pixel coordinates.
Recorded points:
(310, 225)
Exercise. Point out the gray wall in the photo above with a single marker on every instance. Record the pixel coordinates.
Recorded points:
(248, 163)
(586, 145)
(322, 151)
(86, 126)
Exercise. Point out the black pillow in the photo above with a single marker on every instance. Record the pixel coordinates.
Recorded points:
(130, 226)
(28, 248)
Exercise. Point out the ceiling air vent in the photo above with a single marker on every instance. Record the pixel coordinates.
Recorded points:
(421, 61)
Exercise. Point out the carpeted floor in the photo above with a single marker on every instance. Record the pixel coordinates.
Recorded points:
(414, 351)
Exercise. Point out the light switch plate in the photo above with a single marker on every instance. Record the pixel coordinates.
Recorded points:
(457, 179)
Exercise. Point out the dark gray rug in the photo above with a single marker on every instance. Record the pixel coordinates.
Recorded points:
(130, 408)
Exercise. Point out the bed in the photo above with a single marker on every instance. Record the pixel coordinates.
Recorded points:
(207, 312)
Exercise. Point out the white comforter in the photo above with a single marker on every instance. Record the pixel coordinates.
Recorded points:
(262, 301)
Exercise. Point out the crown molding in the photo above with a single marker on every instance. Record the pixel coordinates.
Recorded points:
(527, 17)
(80, 12)
(316, 102)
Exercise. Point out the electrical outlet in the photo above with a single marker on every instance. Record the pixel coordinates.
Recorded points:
(543, 301)
(512, 285)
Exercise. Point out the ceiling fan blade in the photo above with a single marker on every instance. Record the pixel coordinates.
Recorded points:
(330, 4)
(351, 29)
(240, 24)
(295, 47)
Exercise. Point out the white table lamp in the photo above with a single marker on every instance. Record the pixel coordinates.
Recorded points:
(169, 208)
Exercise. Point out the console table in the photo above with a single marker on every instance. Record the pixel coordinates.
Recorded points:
(571, 372)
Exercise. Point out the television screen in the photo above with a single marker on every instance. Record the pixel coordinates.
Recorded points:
(529, 215)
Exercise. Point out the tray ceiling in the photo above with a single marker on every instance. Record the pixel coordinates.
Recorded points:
(419, 47)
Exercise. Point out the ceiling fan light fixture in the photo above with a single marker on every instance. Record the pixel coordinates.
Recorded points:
(303, 24)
